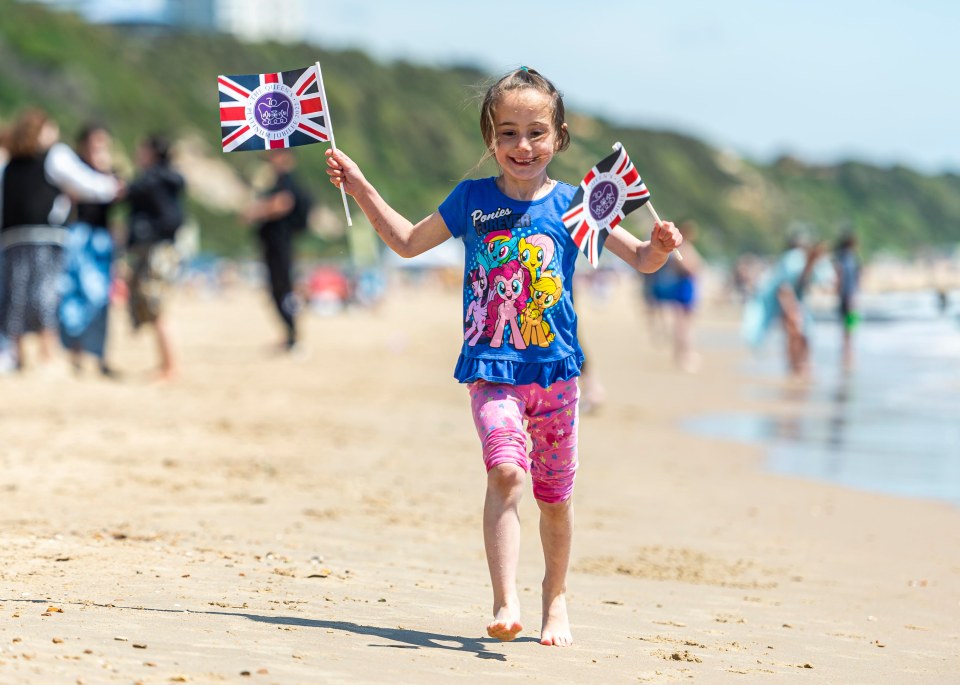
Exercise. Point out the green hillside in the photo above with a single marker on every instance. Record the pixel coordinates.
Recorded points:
(414, 131)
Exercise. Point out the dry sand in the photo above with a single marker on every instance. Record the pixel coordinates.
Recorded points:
(317, 520)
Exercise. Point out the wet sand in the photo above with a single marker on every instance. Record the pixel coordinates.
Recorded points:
(317, 520)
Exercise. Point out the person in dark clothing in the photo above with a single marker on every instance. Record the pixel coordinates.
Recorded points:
(156, 212)
(280, 214)
(36, 188)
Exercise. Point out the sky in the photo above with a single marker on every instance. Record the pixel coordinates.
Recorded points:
(823, 80)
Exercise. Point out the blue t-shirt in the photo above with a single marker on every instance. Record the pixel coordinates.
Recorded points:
(519, 323)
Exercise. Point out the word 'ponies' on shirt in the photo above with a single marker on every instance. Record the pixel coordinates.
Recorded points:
(501, 219)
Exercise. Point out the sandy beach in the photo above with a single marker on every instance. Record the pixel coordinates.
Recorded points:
(317, 520)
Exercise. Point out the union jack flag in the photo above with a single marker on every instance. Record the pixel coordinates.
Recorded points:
(270, 111)
(610, 190)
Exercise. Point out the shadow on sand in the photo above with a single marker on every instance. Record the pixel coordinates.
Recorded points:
(405, 637)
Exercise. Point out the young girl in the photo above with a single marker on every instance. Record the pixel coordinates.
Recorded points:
(522, 123)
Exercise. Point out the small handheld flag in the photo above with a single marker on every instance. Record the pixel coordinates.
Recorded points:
(270, 111)
(610, 190)
(273, 111)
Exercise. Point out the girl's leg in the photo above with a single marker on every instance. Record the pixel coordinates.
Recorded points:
(553, 428)
(501, 538)
(556, 535)
(498, 415)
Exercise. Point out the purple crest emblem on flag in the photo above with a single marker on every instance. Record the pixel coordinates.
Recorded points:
(273, 111)
(609, 191)
(603, 200)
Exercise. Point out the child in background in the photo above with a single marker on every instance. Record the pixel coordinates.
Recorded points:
(510, 381)
(847, 264)
(675, 286)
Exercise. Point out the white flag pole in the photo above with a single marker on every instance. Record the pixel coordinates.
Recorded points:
(333, 141)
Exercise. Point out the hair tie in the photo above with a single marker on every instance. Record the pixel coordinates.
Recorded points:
(522, 68)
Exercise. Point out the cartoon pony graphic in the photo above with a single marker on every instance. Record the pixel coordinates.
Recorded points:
(477, 309)
(545, 293)
(499, 247)
(536, 253)
(508, 295)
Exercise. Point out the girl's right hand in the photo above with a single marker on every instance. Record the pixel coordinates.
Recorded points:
(344, 172)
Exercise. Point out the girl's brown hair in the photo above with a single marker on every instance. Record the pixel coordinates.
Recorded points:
(23, 136)
(515, 80)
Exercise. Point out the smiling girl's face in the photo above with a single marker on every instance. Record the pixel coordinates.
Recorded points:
(525, 137)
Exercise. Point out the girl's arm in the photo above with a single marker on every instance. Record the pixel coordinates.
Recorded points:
(646, 256)
(400, 235)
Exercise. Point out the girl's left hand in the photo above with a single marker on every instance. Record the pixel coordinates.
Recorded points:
(665, 236)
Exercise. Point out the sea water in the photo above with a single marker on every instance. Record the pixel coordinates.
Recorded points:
(889, 424)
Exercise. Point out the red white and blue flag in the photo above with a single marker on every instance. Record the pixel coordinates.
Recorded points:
(270, 111)
(610, 190)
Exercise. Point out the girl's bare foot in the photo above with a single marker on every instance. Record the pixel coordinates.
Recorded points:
(505, 624)
(556, 626)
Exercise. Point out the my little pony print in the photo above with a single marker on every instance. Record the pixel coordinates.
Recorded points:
(477, 309)
(508, 284)
(536, 253)
(545, 293)
(498, 248)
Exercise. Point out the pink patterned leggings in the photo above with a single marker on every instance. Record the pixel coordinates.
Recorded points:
(499, 411)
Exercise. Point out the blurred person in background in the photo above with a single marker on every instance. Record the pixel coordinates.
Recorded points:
(653, 307)
(779, 296)
(280, 214)
(7, 363)
(592, 392)
(848, 268)
(743, 277)
(156, 213)
(85, 301)
(675, 287)
(4, 152)
(37, 185)
(943, 299)
(798, 265)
